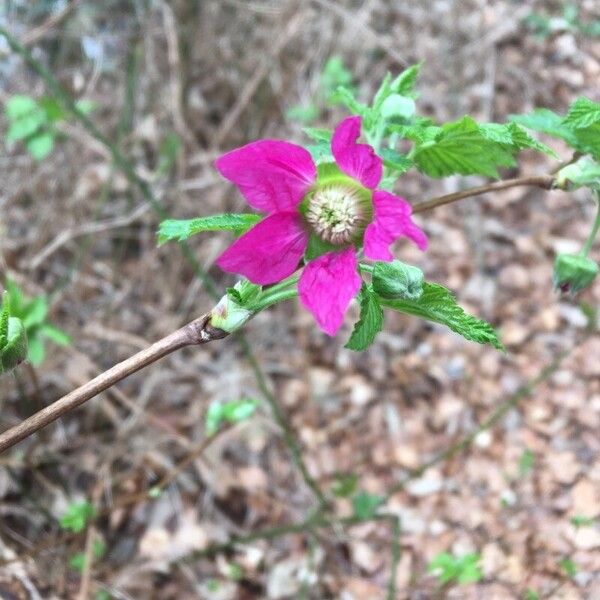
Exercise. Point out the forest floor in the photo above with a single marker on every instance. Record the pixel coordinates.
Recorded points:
(524, 495)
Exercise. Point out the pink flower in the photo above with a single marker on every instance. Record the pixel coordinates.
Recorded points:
(336, 202)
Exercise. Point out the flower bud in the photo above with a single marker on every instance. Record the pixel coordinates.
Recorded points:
(14, 349)
(573, 272)
(228, 315)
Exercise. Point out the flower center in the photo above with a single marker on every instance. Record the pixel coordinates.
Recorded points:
(338, 213)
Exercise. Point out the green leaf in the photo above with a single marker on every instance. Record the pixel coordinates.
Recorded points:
(462, 569)
(85, 106)
(381, 94)
(397, 106)
(399, 163)
(521, 140)
(25, 126)
(35, 312)
(395, 279)
(346, 96)
(531, 594)
(370, 322)
(581, 521)
(344, 485)
(244, 292)
(526, 462)
(437, 304)
(39, 146)
(77, 561)
(318, 134)
(365, 505)
(19, 106)
(36, 352)
(461, 148)
(582, 113)
(53, 109)
(568, 566)
(404, 84)
(233, 411)
(173, 229)
(77, 516)
(56, 335)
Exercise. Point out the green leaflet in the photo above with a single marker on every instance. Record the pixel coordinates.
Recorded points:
(180, 230)
(437, 304)
(582, 113)
(461, 148)
(370, 322)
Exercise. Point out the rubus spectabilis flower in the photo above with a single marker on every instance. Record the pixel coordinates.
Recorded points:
(339, 203)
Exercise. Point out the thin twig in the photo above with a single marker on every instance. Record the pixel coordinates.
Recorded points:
(545, 182)
(197, 332)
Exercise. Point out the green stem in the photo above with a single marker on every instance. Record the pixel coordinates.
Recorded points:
(592, 237)
(274, 298)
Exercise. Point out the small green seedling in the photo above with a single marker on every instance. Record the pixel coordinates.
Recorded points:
(233, 411)
(365, 505)
(568, 566)
(526, 463)
(580, 521)
(33, 122)
(459, 569)
(77, 561)
(77, 516)
(344, 485)
(33, 312)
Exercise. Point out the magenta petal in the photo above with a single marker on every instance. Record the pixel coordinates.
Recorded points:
(272, 175)
(356, 160)
(327, 285)
(392, 219)
(269, 252)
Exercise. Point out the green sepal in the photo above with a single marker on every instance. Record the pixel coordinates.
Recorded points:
(317, 247)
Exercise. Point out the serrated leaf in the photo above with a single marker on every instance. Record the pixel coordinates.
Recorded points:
(396, 280)
(173, 229)
(400, 163)
(461, 148)
(437, 304)
(39, 146)
(584, 172)
(346, 96)
(521, 140)
(582, 113)
(404, 83)
(545, 121)
(370, 322)
(382, 93)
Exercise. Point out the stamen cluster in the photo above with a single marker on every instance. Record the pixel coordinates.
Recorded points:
(337, 213)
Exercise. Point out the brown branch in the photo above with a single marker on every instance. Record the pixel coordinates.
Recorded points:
(197, 332)
(545, 182)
